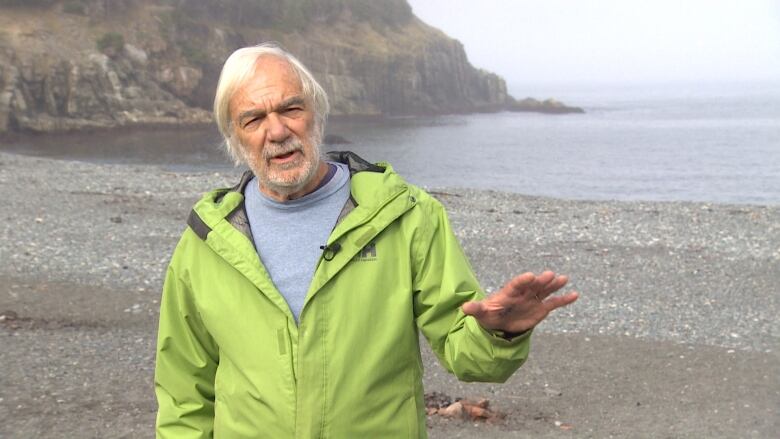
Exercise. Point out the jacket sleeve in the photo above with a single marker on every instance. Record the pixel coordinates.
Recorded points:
(187, 359)
(443, 281)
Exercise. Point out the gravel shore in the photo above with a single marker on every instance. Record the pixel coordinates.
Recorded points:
(676, 333)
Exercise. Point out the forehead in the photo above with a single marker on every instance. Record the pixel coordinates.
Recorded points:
(272, 81)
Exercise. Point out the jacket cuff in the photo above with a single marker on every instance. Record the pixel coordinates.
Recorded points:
(499, 338)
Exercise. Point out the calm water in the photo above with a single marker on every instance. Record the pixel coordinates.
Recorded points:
(718, 143)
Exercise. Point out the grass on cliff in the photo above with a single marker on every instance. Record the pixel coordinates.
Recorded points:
(112, 42)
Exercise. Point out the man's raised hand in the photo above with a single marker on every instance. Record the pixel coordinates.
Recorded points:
(522, 303)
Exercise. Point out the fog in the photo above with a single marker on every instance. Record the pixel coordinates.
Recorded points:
(614, 41)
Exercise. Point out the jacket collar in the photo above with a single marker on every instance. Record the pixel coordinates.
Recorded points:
(354, 162)
(378, 182)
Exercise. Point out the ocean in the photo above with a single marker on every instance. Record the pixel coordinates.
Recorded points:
(715, 143)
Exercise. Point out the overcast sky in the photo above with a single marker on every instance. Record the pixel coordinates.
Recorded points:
(532, 41)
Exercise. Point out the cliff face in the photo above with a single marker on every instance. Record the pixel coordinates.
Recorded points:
(101, 63)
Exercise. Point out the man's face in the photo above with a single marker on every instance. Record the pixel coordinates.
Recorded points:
(275, 128)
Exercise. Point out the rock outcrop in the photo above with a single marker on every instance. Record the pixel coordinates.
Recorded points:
(549, 106)
(69, 65)
(94, 92)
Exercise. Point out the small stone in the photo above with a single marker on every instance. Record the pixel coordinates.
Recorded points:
(453, 410)
(8, 315)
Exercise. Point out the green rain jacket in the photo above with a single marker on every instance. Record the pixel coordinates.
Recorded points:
(232, 363)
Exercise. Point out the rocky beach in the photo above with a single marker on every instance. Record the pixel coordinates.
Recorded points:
(675, 335)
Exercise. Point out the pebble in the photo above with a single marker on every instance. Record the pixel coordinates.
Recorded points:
(697, 273)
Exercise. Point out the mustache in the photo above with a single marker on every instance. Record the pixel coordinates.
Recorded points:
(273, 149)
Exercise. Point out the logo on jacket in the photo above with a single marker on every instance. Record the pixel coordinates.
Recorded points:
(368, 253)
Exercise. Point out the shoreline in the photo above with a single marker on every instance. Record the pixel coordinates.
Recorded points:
(678, 308)
(443, 190)
(550, 107)
(16, 136)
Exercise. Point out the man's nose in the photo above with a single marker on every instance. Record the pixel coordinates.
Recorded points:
(276, 129)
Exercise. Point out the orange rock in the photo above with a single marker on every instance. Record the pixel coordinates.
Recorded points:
(453, 410)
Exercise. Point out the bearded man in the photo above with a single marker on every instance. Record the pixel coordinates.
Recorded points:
(293, 301)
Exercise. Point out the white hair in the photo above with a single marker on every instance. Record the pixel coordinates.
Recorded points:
(239, 67)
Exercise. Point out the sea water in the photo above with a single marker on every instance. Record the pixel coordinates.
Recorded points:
(672, 142)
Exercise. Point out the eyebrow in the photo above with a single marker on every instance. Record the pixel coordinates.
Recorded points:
(295, 100)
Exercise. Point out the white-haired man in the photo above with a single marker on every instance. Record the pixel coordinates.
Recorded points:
(292, 304)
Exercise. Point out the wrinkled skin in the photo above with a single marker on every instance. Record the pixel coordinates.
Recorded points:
(275, 125)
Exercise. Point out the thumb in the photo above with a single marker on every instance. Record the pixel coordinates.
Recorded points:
(472, 308)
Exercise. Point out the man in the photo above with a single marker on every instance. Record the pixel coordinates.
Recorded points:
(292, 304)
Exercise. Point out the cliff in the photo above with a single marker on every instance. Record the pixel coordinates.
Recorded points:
(67, 65)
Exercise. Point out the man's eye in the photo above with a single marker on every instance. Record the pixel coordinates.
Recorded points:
(293, 110)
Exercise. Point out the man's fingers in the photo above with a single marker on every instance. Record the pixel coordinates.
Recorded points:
(554, 285)
(519, 283)
(554, 302)
(476, 309)
(542, 283)
(536, 287)
(543, 280)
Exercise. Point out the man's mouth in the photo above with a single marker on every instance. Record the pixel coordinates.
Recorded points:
(283, 157)
(283, 153)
